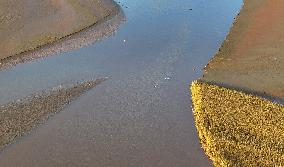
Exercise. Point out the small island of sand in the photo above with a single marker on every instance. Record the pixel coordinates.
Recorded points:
(39, 28)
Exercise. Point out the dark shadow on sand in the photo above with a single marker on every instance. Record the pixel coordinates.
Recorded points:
(248, 91)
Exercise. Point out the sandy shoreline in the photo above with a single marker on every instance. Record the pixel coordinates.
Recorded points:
(238, 103)
(70, 25)
(251, 57)
(20, 117)
(25, 30)
(102, 29)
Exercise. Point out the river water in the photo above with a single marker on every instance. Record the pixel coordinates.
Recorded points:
(141, 115)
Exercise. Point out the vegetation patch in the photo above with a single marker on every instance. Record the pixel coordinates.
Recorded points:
(238, 129)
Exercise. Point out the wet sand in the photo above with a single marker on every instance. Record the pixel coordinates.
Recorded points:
(251, 57)
(237, 103)
(20, 117)
(96, 32)
(36, 29)
(142, 115)
(25, 26)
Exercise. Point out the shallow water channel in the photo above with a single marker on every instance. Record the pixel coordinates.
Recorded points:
(141, 115)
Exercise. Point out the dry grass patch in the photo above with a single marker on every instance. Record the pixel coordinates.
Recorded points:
(238, 129)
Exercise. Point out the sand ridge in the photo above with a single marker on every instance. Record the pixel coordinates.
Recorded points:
(102, 29)
(26, 25)
(21, 116)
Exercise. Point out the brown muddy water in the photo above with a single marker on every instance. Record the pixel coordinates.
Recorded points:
(140, 116)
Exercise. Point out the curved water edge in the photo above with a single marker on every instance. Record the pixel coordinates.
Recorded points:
(141, 115)
(238, 106)
(245, 54)
(23, 28)
(89, 35)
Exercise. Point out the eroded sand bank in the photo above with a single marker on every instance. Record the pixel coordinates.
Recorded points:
(236, 103)
(102, 29)
(26, 25)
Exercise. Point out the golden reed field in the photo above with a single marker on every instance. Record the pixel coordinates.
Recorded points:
(238, 129)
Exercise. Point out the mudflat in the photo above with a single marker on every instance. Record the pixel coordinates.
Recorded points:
(21, 116)
(26, 25)
(251, 57)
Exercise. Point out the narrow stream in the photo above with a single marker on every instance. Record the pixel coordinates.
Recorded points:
(141, 116)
